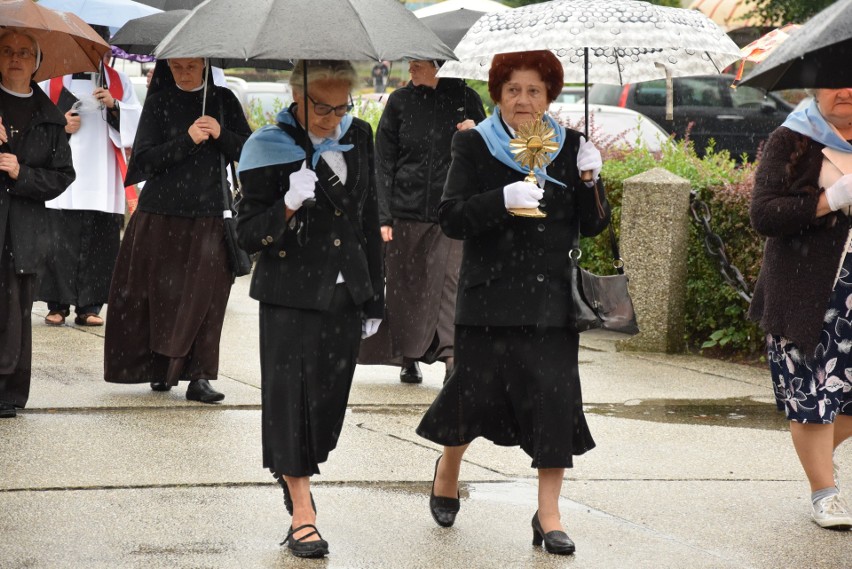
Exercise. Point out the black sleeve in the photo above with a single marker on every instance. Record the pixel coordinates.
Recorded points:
(43, 183)
(261, 213)
(373, 308)
(235, 129)
(387, 155)
(473, 105)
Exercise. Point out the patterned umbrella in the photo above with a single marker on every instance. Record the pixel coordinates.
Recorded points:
(759, 49)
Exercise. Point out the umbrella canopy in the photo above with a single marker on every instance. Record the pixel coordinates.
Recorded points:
(628, 41)
(112, 13)
(450, 27)
(141, 36)
(67, 43)
(759, 49)
(816, 55)
(303, 29)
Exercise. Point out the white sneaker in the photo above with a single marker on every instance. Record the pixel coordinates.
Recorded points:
(836, 474)
(832, 512)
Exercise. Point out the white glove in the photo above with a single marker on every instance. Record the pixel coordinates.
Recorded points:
(522, 195)
(302, 186)
(369, 327)
(589, 158)
(839, 194)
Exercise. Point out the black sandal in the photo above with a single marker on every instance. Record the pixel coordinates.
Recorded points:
(301, 548)
(63, 314)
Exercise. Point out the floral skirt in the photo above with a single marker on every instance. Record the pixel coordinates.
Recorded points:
(816, 388)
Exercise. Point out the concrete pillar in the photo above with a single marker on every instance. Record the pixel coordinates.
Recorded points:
(654, 237)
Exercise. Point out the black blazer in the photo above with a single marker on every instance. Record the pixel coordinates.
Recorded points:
(514, 270)
(342, 233)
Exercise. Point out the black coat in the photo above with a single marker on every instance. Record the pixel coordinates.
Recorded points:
(46, 171)
(342, 233)
(514, 270)
(413, 142)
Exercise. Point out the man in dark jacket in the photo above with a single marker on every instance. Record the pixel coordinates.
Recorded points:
(412, 158)
(35, 166)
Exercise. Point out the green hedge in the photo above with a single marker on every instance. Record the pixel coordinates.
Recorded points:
(715, 316)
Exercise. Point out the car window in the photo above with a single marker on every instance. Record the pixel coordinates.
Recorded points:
(650, 94)
(749, 97)
(601, 94)
(697, 92)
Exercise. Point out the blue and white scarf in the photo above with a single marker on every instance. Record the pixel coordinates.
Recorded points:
(810, 122)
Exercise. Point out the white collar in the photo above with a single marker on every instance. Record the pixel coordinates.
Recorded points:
(14, 94)
(318, 139)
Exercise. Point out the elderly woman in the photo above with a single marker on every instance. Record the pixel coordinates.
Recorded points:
(318, 277)
(801, 203)
(422, 264)
(172, 280)
(35, 166)
(516, 380)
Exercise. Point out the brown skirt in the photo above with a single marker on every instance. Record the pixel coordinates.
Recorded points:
(167, 300)
(422, 267)
(16, 331)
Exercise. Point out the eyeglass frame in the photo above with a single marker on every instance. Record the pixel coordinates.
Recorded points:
(347, 108)
(23, 54)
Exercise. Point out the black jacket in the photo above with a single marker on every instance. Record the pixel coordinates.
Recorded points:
(342, 233)
(413, 147)
(514, 270)
(46, 171)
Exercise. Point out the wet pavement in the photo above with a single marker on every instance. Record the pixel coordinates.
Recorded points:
(693, 469)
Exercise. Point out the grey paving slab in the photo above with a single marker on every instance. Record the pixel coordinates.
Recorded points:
(367, 527)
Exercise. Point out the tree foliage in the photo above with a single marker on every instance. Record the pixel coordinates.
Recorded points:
(788, 11)
(516, 3)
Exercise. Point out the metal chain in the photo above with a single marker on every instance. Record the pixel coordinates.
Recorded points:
(716, 247)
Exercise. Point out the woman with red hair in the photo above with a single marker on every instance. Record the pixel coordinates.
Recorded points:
(515, 380)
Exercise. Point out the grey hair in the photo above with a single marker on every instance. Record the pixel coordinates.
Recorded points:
(16, 31)
(320, 70)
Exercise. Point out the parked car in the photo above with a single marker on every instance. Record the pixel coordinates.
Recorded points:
(738, 120)
(571, 94)
(612, 125)
(272, 96)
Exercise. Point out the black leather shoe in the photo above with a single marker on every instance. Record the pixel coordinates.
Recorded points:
(288, 500)
(200, 390)
(410, 373)
(160, 386)
(301, 548)
(7, 410)
(443, 509)
(556, 541)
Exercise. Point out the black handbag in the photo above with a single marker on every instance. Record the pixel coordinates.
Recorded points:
(238, 260)
(601, 301)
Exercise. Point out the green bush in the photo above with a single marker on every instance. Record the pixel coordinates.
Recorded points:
(715, 316)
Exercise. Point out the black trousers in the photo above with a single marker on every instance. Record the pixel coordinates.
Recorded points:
(307, 360)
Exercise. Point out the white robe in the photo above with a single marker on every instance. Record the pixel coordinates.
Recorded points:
(99, 185)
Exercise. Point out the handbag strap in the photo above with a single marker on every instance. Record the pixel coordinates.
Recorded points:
(617, 261)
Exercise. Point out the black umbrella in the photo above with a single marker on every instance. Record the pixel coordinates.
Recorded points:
(303, 29)
(141, 36)
(816, 55)
(450, 27)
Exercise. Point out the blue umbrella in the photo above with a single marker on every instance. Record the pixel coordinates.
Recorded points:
(112, 13)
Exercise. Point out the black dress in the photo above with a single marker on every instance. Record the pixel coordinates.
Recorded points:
(310, 324)
(516, 379)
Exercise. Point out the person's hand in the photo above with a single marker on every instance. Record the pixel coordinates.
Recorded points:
(387, 233)
(104, 97)
(464, 125)
(369, 327)
(198, 136)
(9, 164)
(302, 187)
(522, 195)
(73, 120)
(209, 125)
(4, 138)
(839, 194)
(589, 160)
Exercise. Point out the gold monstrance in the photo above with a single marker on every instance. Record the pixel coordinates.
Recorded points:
(532, 148)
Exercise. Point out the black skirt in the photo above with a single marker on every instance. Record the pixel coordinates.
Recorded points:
(307, 360)
(513, 386)
(16, 330)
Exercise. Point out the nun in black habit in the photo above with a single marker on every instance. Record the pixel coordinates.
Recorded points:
(318, 276)
(171, 281)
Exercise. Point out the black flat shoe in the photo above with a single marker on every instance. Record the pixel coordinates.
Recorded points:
(200, 390)
(556, 541)
(160, 386)
(443, 509)
(410, 373)
(7, 411)
(288, 500)
(301, 548)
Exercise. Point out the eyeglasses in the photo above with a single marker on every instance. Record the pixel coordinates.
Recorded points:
(322, 109)
(23, 53)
